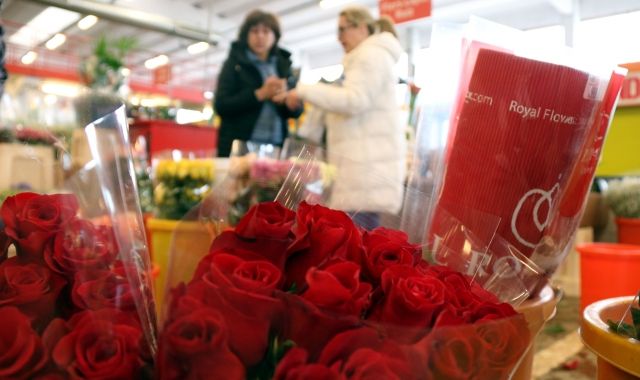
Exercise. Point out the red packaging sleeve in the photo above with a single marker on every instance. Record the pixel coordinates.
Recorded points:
(518, 132)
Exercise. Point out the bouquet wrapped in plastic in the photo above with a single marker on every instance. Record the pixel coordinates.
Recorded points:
(75, 293)
(508, 146)
(181, 184)
(297, 289)
(255, 178)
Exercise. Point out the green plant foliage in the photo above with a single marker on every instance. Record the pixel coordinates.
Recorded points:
(623, 196)
(632, 330)
(102, 69)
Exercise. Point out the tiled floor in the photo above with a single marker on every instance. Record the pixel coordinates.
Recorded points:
(560, 354)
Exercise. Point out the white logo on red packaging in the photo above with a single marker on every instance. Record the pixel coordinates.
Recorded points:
(546, 197)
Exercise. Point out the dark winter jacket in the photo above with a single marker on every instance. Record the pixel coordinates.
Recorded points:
(235, 99)
(3, 72)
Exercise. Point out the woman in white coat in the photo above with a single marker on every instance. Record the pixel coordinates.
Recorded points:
(365, 136)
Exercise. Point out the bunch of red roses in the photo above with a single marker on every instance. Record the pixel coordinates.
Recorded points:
(309, 295)
(67, 309)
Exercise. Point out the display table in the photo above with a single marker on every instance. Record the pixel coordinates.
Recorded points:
(27, 165)
(164, 135)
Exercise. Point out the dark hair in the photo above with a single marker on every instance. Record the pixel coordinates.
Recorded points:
(257, 17)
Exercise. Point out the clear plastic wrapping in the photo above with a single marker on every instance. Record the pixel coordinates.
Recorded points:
(518, 142)
(75, 279)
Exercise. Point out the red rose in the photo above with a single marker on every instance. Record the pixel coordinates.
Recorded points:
(195, 346)
(362, 354)
(450, 316)
(452, 353)
(321, 235)
(104, 344)
(205, 264)
(32, 219)
(488, 311)
(337, 288)
(272, 250)
(294, 366)
(103, 289)
(81, 246)
(5, 242)
(467, 295)
(412, 301)
(242, 291)
(254, 276)
(504, 341)
(385, 247)
(310, 327)
(21, 351)
(266, 220)
(30, 287)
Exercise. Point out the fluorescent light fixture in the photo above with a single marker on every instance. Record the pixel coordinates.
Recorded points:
(198, 47)
(207, 95)
(125, 71)
(155, 62)
(29, 58)
(60, 89)
(87, 22)
(40, 28)
(326, 4)
(56, 41)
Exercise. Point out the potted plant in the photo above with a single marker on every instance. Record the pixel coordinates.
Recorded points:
(102, 73)
(623, 197)
(614, 341)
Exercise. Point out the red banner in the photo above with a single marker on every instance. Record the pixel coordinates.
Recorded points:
(405, 10)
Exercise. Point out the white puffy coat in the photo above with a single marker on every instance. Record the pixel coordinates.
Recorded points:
(365, 136)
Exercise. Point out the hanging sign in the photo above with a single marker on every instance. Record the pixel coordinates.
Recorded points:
(630, 93)
(405, 10)
(162, 75)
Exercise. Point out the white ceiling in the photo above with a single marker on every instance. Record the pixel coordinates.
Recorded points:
(308, 30)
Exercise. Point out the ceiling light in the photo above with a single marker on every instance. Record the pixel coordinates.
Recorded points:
(56, 41)
(87, 22)
(207, 95)
(155, 62)
(29, 58)
(125, 71)
(198, 47)
(326, 4)
(48, 22)
(60, 89)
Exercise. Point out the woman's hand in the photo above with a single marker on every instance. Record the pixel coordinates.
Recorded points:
(292, 100)
(271, 87)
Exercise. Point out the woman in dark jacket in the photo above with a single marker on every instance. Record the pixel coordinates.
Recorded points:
(255, 71)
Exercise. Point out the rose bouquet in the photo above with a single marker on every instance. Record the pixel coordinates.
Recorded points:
(181, 185)
(289, 295)
(511, 157)
(75, 291)
(253, 180)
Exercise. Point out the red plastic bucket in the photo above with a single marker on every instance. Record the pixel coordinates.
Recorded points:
(628, 230)
(608, 270)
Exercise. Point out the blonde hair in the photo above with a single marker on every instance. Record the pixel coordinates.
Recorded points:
(358, 15)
